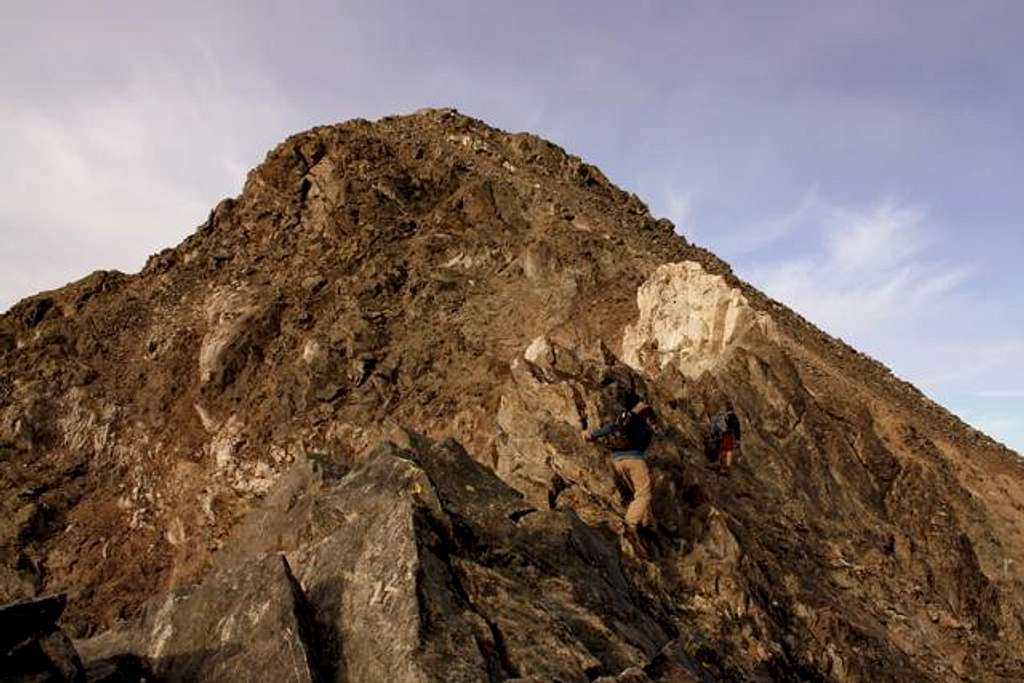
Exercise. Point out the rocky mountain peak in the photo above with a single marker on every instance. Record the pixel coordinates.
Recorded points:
(336, 431)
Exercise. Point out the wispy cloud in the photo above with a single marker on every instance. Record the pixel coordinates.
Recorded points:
(806, 213)
(864, 269)
(125, 172)
(679, 207)
(1011, 394)
(885, 238)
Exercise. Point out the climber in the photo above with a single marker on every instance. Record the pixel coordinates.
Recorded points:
(628, 437)
(725, 437)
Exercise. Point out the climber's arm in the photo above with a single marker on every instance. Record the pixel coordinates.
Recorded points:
(602, 432)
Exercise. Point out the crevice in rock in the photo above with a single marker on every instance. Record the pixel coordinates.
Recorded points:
(519, 514)
(499, 645)
(580, 403)
(558, 485)
(319, 639)
(499, 663)
(462, 535)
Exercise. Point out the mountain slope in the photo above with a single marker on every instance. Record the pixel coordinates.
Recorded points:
(432, 273)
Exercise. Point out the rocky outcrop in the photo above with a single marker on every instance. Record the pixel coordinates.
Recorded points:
(690, 319)
(724, 554)
(418, 565)
(243, 624)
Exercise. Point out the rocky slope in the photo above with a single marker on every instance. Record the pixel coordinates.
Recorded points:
(337, 430)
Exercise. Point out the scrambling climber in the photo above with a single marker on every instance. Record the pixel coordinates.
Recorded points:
(628, 436)
(725, 435)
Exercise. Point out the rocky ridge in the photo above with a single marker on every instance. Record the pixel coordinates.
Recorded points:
(213, 458)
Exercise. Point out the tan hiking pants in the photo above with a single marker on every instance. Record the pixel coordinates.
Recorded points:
(635, 471)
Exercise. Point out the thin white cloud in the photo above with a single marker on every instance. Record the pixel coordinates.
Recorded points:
(871, 277)
(679, 207)
(888, 237)
(763, 233)
(133, 169)
(867, 270)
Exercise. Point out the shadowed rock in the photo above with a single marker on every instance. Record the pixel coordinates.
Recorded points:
(33, 647)
(419, 565)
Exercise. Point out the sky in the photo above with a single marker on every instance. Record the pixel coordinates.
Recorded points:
(860, 161)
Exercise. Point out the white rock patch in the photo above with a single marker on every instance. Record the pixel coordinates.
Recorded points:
(690, 319)
(228, 313)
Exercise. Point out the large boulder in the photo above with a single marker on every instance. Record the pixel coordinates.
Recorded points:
(247, 623)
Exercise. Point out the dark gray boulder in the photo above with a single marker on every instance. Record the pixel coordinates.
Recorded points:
(249, 623)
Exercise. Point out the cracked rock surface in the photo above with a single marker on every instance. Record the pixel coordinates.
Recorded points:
(385, 575)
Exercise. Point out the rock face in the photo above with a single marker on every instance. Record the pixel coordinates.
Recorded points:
(236, 625)
(212, 458)
(398, 579)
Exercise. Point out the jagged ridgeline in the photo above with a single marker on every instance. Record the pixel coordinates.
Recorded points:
(335, 435)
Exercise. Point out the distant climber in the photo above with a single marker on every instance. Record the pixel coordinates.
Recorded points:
(725, 437)
(627, 437)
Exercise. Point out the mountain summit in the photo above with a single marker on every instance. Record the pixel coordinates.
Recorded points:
(335, 435)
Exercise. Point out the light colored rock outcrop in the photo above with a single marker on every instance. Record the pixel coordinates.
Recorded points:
(229, 313)
(539, 449)
(690, 319)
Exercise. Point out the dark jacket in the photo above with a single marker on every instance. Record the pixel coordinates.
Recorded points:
(629, 435)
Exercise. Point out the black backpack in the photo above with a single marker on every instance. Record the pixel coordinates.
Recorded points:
(635, 433)
(724, 423)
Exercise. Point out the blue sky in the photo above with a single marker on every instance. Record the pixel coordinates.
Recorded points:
(861, 161)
